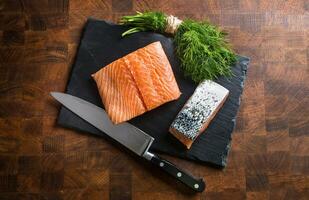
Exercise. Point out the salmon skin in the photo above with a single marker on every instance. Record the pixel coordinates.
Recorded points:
(136, 83)
(198, 112)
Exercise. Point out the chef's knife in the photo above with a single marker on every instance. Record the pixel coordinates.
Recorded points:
(128, 135)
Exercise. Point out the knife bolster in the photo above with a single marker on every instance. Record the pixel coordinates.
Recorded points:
(148, 155)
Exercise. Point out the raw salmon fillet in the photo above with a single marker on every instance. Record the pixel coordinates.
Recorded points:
(198, 112)
(136, 83)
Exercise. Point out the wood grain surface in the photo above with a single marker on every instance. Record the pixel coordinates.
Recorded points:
(270, 147)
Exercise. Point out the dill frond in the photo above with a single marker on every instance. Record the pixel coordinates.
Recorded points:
(203, 51)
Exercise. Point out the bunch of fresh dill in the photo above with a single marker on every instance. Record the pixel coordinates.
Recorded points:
(201, 47)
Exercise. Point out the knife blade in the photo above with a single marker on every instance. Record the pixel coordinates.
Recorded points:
(126, 134)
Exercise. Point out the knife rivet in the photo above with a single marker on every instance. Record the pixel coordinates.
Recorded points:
(179, 174)
(161, 164)
(196, 186)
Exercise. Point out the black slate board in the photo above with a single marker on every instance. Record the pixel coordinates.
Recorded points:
(101, 44)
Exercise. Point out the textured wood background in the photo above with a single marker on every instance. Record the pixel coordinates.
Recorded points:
(270, 149)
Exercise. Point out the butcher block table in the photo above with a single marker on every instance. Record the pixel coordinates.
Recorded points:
(40, 160)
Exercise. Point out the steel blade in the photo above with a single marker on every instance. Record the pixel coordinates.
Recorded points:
(128, 135)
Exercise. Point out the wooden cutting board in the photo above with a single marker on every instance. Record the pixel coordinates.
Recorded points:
(101, 44)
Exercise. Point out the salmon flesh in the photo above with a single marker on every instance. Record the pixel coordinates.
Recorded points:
(136, 83)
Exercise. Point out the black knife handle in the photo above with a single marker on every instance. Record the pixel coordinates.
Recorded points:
(197, 185)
